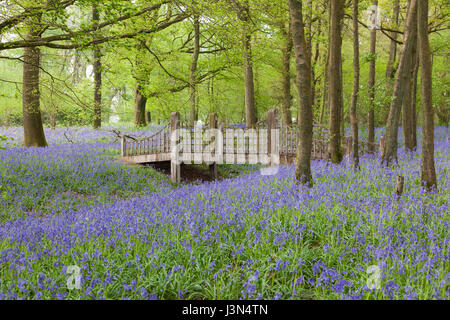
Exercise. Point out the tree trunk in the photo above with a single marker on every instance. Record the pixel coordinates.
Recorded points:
(428, 173)
(326, 60)
(314, 99)
(390, 68)
(325, 86)
(305, 121)
(391, 64)
(373, 43)
(32, 121)
(139, 108)
(250, 107)
(353, 115)
(286, 78)
(97, 68)
(308, 31)
(335, 80)
(401, 80)
(409, 98)
(193, 73)
(414, 102)
(76, 67)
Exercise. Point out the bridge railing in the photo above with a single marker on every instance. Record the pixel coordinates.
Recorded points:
(159, 142)
(240, 140)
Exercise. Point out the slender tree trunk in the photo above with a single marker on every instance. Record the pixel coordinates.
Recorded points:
(391, 65)
(139, 108)
(428, 172)
(414, 103)
(76, 68)
(250, 106)
(354, 103)
(335, 80)
(308, 27)
(193, 72)
(401, 80)
(303, 68)
(410, 93)
(390, 68)
(286, 77)
(97, 68)
(325, 86)
(371, 116)
(342, 119)
(406, 115)
(326, 61)
(32, 121)
(313, 65)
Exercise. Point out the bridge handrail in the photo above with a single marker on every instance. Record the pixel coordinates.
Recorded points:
(138, 142)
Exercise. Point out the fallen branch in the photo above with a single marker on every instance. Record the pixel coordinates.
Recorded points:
(68, 139)
(119, 135)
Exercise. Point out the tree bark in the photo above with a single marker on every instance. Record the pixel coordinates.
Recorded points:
(371, 116)
(97, 76)
(354, 103)
(286, 78)
(303, 68)
(193, 73)
(335, 80)
(401, 80)
(32, 121)
(139, 108)
(428, 172)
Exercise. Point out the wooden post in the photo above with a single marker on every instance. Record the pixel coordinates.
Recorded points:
(272, 124)
(381, 145)
(213, 168)
(175, 167)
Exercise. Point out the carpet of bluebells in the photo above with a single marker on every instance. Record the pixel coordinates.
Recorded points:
(137, 236)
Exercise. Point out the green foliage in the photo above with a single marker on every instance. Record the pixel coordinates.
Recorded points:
(160, 62)
(2, 141)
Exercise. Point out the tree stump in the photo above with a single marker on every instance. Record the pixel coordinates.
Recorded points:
(399, 186)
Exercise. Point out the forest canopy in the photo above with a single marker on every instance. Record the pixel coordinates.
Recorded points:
(136, 54)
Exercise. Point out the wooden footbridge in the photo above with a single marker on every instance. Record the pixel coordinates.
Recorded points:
(269, 143)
